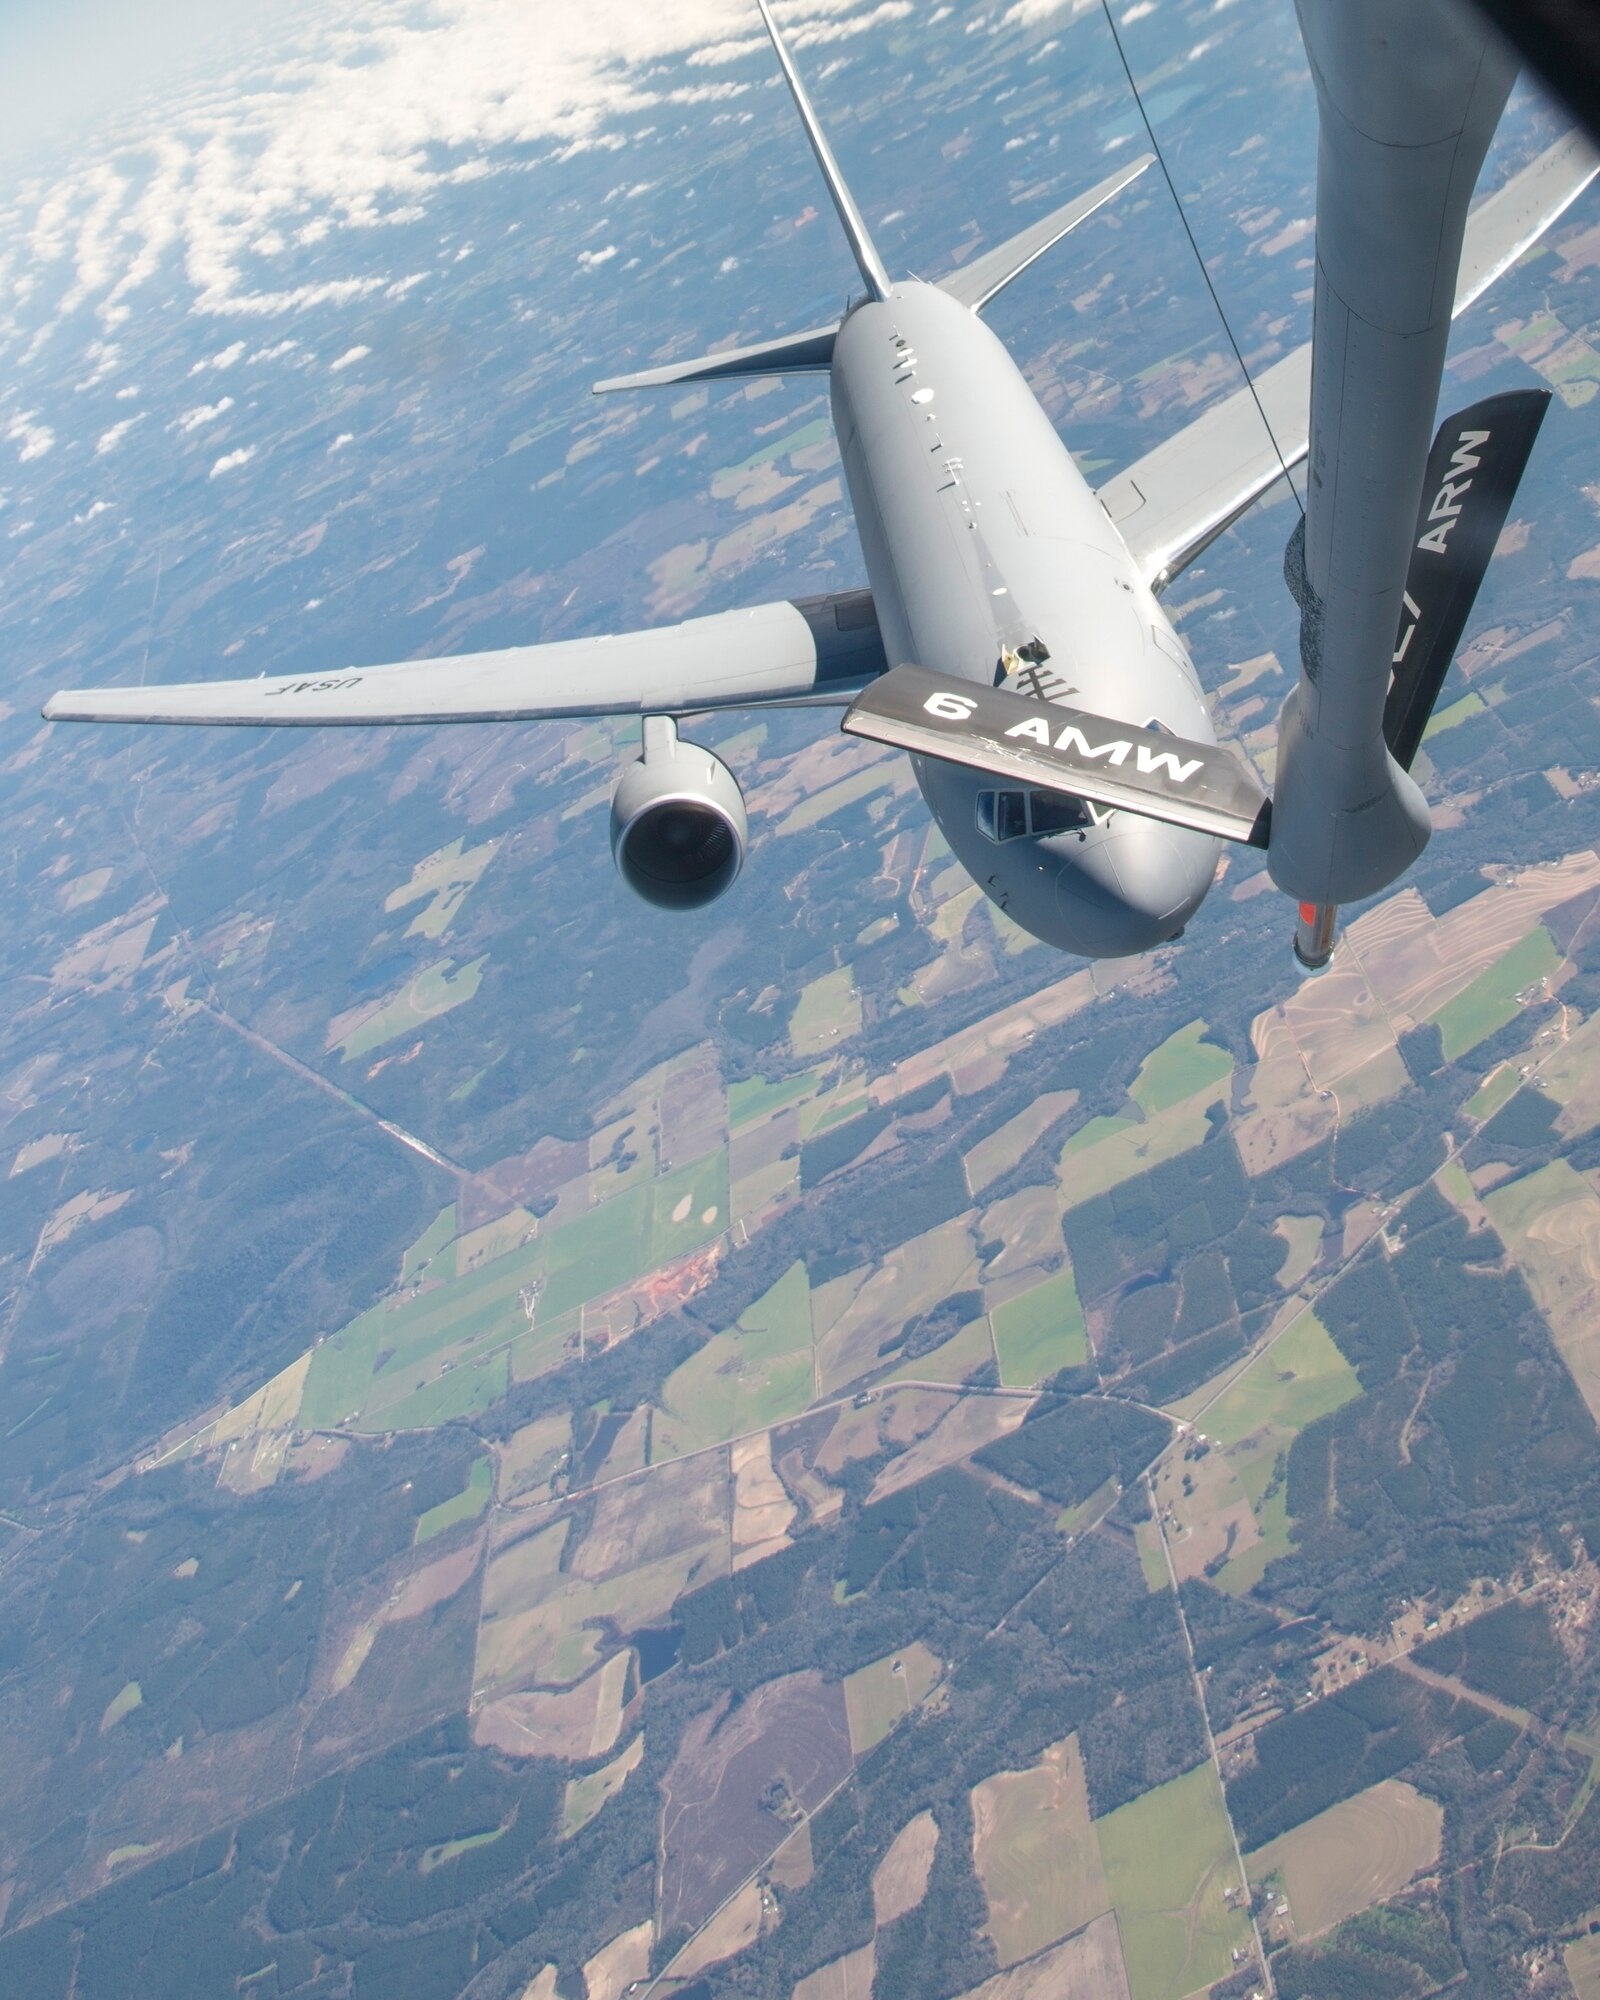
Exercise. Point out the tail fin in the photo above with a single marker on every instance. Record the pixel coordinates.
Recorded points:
(868, 262)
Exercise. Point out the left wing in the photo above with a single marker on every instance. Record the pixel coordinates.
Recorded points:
(1174, 502)
(805, 650)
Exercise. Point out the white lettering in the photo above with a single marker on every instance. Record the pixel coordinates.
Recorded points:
(1414, 609)
(1074, 739)
(1463, 459)
(1150, 762)
(950, 707)
(1447, 501)
(1035, 727)
(1434, 540)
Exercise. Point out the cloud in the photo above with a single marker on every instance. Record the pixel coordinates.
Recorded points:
(109, 440)
(360, 125)
(204, 413)
(348, 359)
(339, 443)
(230, 461)
(89, 513)
(35, 439)
(589, 259)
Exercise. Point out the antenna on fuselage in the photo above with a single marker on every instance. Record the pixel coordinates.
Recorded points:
(862, 248)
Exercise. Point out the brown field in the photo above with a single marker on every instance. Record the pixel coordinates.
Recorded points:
(1398, 965)
(999, 1035)
(847, 1978)
(793, 1866)
(900, 1880)
(543, 1985)
(1005, 1147)
(911, 1280)
(1353, 1855)
(1583, 1967)
(763, 1513)
(714, 1828)
(733, 1929)
(1028, 1224)
(693, 1110)
(1035, 1853)
(1303, 1236)
(614, 1968)
(1087, 1967)
(882, 1693)
(680, 1506)
(578, 1723)
(436, 1582)
(973, 1423)
(1550, 1224)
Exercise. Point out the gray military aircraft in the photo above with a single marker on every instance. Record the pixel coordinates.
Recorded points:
(1013, 639)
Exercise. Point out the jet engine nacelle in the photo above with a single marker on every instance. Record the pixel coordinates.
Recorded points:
(678, 825)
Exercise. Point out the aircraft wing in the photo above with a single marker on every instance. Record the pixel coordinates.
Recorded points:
(1176, 500)
(805, 650)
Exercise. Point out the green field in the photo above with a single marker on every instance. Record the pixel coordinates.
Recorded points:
(463, 1391)
(962, 1355)
(1168, 1857)
(440, 1232)
(466, 1505)
(123, 1703)
(1301, 1377)
(434, 991)
(635, 1232)
(827, 1013)
(1491, 1000)
(1516, 1206)
(883, 1693)
(447, 879)
(1183, 1065)
(1040, 1331)
(370, 1369)
(448, 1850)
(834, 798)
(754, 1375)
(585, 1796)
(755, 1098)
(1471, 703)
(1109, 1151)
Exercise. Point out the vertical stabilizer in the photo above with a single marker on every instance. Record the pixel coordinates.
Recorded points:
(862, 248)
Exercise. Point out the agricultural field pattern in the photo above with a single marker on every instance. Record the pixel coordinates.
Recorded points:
(816, 1450)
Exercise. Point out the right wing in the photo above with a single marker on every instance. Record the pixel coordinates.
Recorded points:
(976, 283)
(808, 650)
(1174, 502)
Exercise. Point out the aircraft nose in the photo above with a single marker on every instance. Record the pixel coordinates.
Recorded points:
(1135, 887)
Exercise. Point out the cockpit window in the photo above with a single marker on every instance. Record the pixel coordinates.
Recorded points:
(1002, 815)
(1058, 812)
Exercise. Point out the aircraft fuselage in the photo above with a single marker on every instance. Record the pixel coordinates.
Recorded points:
(988, 553)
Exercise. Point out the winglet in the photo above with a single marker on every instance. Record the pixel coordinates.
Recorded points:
(868, 262)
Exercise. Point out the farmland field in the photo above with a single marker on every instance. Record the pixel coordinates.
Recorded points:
(1182, 1066)
(1301, 1377)
(828, 1012)
(434, 991)
(1168, 1857)
(585, 1796)
(876, 1697)
(1122, 1149)
(1004, 1147)
(466, 1505)
(1491, 1000)
(754, 1099)
(1039, 1332)
(754, 1375)
(1359, 1852)
(1549, 1221)
(1036, 1853)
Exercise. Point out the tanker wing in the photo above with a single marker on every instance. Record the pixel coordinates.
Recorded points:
(1173, 503)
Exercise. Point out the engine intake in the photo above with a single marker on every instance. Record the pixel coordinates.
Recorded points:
(678, 825)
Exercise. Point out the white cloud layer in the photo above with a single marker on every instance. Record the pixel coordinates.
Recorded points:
(230, 461)
(391, 103)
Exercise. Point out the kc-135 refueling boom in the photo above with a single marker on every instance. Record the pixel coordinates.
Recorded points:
(1013, 640)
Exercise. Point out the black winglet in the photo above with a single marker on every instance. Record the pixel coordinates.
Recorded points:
(1474, 469)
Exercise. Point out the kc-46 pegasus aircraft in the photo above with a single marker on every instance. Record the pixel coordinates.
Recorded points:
(1013, 639)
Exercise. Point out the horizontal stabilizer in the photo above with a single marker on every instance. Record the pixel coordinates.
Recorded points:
(1062, 749)
(975, 284)
(797, 354)
(799, 651)
(1476, 464)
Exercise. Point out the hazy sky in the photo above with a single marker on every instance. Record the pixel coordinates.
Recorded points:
(66, 63)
